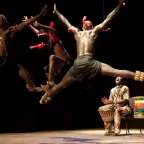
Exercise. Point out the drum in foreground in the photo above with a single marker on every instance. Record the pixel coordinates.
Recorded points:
(107, 112)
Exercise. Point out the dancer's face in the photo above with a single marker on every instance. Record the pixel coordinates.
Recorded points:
(118, 80)
(87, 25)
(3, 20)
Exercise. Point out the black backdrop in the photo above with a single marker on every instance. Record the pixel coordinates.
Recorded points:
(75, 107)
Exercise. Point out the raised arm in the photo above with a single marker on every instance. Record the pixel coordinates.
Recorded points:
(65, 21)
(109, 18)
(32, 27)
(28, 22)
(49, 28)
(34, 30)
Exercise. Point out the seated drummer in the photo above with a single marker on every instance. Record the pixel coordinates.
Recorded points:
(119, 96)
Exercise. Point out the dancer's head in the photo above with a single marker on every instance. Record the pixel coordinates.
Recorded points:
(118, 80)
(87, 25)
(3, 20)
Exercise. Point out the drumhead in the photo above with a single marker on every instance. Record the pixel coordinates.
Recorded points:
(106, 107)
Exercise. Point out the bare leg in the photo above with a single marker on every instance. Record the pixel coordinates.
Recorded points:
(109, 71)
(24, 74)
(66, 81)
(54, 62)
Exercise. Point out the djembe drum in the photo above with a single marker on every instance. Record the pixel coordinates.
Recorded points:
(139, 107)
(107, 112)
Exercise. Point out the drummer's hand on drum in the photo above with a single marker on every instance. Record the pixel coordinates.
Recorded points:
(104, 100)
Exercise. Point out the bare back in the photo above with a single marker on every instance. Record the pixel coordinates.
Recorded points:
(6, 36)
(3, 42)
(58, 48)
(85, 42)
(60, 51)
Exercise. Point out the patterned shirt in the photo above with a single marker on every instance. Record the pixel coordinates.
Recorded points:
(119, 93)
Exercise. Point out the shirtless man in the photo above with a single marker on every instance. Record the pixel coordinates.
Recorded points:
(59, 59)
(6, 35)
(85, 67)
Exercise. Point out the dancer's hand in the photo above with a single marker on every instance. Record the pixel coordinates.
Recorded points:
(25, 18)
(43, 11)
(45, 88)
(36, 24)
(55, 9)
(122, 2)
(104, 100)
(84, 18)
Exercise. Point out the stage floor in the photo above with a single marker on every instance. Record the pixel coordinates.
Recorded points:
(71, 137)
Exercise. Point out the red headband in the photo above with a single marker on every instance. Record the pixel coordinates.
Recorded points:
(89, 25)
(84, 22)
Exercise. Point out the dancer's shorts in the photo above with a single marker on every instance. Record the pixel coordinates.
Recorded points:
(85, 67)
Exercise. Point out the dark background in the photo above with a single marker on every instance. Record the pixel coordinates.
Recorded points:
(75, 107)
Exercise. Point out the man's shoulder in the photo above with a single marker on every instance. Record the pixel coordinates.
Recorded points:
(113, 89)
(125, 87)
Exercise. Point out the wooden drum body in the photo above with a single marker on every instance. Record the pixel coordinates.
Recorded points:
(139, 107)
(107, 112)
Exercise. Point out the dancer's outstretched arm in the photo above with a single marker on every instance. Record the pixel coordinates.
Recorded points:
(36, 31)
(65, 21)
(20, 26)
(109, 18)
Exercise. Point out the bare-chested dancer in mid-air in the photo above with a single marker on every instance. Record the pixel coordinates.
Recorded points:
(59, 60)
(85, 67)
(6, 35)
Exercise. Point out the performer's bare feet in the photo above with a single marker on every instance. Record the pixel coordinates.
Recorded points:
(33, 88)
(45, 87)
(45, 99)
(48, 86)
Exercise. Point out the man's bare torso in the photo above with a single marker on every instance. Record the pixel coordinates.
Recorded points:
(85, 42)
(58, 49)
(3, 41)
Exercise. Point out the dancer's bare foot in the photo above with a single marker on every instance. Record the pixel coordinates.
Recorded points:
(51, 84)
(45, 87)
(45, 99)
(33, 88)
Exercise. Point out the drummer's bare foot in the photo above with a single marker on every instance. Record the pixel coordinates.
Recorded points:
(115, 134)
(107, 134)
(33, 88)
(45, 99)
